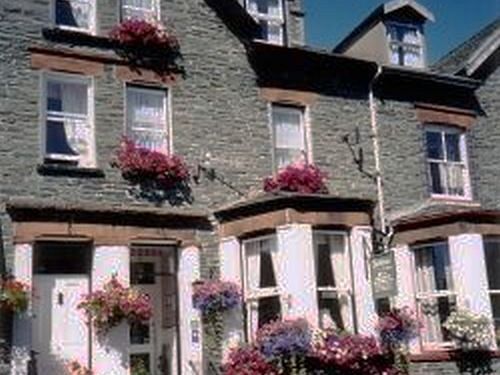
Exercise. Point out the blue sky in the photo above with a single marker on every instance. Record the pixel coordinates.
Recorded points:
(328, 21)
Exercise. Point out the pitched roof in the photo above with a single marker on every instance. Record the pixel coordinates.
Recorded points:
(378, 14)
(465, 58)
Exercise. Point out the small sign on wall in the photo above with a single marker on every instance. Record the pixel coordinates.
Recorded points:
(195, 333)
(383, 270)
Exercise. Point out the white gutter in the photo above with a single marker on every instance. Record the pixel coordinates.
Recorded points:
(376, 151)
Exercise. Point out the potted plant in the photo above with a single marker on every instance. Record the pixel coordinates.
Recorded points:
(299, 177)
(114, 304)
(14, 299)
(469, 331)
(76, 368)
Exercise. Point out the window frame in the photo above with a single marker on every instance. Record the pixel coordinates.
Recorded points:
(92, 29)
(339, 291)
(400, 44)
(492, 292)
(443, 130)
(305, 130)
(157, 10)
(451, 292)
(280, 21)
(46, 77)
(167, 106)
(251, 297)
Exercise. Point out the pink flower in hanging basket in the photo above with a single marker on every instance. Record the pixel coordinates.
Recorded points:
(298, 178)
(140, 165)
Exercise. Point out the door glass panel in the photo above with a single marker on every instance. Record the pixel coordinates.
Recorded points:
(140, 363)
(61, 258)
(142, 273)
(139, 334)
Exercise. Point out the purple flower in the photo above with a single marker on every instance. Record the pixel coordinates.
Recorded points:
(212, 296)
(287, 338)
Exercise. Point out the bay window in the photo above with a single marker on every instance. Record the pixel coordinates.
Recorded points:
(270, 16)
(148, 10)
(78, 15)
(67, 120)
(406, 46)
(262, 292)
(288, 134)
(492, 258)
(447, 162)
(435, 295)
(147, 117)
(332, 280)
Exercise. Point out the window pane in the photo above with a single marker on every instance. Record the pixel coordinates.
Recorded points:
(288, 128)
(142, 273)
(441, 263)
(324, 276)
(139, 334)
(492, 253)
(452, 146)
(434, 312)
(57, 141)
(410, 35)
(396, 54)
(454, 179)
(433, 268)
(67, 97)
(269, 310)
(330, 311)
(495, 306)
(267, 277)
(61, 258)
(412, 56)
(434, 145)
(437, 185)
(74, 13)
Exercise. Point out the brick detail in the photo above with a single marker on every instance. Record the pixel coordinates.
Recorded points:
(445, 115)
(58, 63)
(293, 97)
(136, 75)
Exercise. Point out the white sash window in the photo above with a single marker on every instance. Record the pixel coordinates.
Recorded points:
(288, 134)
(492, 257)
(435, 295)
(147, 115)
(332, 280)
(261, 281)
(447, 162)
(148, 10)
(270, 15)
(406, 45)
(75, 14)
(68, 135)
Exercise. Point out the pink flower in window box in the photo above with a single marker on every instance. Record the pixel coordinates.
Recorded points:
(298, 178)
(139, 33)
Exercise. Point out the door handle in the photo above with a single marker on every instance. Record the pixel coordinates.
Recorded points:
(60, 299)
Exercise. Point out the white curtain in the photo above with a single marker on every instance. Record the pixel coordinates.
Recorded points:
(81, 11)
(270, 8)
(140, 9)
(289, 135)
(340, 268)
(455, 179)
(146, 118)
(426, 283)
(412, 56)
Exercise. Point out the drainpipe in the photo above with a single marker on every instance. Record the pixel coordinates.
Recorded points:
(376, 150)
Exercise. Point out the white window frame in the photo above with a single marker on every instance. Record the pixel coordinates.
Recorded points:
(71, 78)
(156, 10)
(279, 21)
(343, 293)
(305, 129)
(420, 296)
(401, 44)
(251, 297)
(464, 163)
(167, 106)
(92, 23)
(492, 292)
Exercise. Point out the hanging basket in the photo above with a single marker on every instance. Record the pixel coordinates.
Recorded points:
(6, 322)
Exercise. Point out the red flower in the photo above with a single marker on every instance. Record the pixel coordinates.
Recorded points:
(140, 33)
(139, 164)
(299, 178)
(248, 361)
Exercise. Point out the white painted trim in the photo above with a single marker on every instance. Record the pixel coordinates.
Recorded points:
(281, 21)
(421, 45)
(93, 19)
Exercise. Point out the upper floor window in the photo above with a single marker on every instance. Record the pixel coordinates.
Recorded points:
(492, 257)
(262, 293)
(435, 293)
(75, 14)
(289, 135)
(67, 120)
(406, 46)
(332, 280)
(147, 117)
(270, 15)
(148, 10)
(447, 162)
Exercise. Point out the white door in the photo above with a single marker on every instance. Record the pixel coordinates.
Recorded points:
(60, 330)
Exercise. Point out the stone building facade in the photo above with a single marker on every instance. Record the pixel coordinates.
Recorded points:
(243, 65)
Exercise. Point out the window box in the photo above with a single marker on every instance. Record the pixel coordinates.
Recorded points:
(298, 178)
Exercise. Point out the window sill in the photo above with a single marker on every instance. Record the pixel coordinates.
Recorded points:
(69, 171)
(77, 37)
(451, 198)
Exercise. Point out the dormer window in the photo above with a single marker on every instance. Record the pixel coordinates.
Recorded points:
(270, 16)
(148, 10)
(78, 15)
(406, 46)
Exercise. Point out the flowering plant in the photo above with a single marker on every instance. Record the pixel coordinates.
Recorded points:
(398, 326)
(469, 330)
(139, 164)
(113, 304)
(13, 295)
(139, 33)
(299, 178)
(211, 296)
(248, 361)
(286, 338)
(75, 368)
